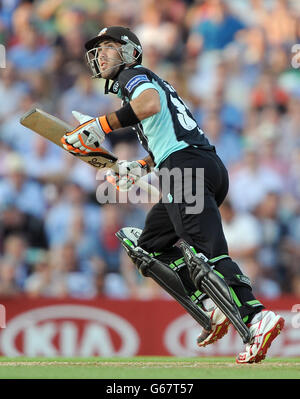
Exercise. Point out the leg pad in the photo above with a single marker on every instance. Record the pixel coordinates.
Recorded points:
(167, 278)
(206, 279)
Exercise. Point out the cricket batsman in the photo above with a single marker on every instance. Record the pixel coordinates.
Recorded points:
(185, 252)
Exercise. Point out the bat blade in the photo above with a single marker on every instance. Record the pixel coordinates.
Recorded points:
(52, 128)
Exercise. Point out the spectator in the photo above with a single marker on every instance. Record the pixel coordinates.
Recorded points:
(292, 242)
(17, 188)
(67, 62)
(58, 274)
(12, 89)
(39, 83)
(227, 141)
(15, 249)
(293, 177)
(78, 283)
(273, 232)
(158, 33)
(84, 98)
(280, 24)
(269, 156)
(252, 181)
(12, 133)
(59, 219)
(21, 19)
(242, 231)
(45, 161)
(85, 241)
(45, 280)
(288, 126)
(109, 245)
(216, 30)
(295, 288)
(31, 54)
(16, 222)
(262, 286)
(59, 17)
(267, 93)
(109, 285)
(6, 13)
(8, 283)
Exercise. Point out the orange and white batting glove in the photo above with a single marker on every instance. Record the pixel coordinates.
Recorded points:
(129, 173)
(88, 136)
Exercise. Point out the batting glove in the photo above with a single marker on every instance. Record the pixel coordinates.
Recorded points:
(88, 136)
(129, 173)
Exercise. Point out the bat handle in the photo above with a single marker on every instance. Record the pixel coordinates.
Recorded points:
(150, 189)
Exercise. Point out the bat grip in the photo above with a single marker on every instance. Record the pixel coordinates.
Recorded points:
(149, 188)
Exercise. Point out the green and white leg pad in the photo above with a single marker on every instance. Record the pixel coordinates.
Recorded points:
(165, 275)
(207, 280)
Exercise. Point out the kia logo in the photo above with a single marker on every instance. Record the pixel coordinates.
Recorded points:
(68, 330)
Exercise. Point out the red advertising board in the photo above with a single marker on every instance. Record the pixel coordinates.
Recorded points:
(101, 327)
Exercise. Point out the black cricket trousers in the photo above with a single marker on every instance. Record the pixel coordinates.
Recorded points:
(169, 221)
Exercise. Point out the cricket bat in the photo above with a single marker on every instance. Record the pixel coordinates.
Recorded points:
(52, 128)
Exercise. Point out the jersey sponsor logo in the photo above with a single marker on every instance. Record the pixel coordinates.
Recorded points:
(133, 82)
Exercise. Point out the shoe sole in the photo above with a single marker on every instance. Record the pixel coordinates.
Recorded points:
(219, 333)
(268, 339)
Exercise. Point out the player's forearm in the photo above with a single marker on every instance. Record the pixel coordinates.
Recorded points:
(145, 105)
(113, 121)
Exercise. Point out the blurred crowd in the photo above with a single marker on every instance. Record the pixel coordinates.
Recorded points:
(233, 62)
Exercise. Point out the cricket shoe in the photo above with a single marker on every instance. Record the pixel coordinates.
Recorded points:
(264, 328)
(219, 327)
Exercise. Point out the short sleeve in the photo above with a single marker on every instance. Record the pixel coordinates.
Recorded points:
(134, 81)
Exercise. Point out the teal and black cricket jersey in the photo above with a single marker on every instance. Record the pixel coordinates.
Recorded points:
(170, 130)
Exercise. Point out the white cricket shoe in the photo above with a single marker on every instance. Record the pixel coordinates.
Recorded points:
(219, 327)
(264, 328)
